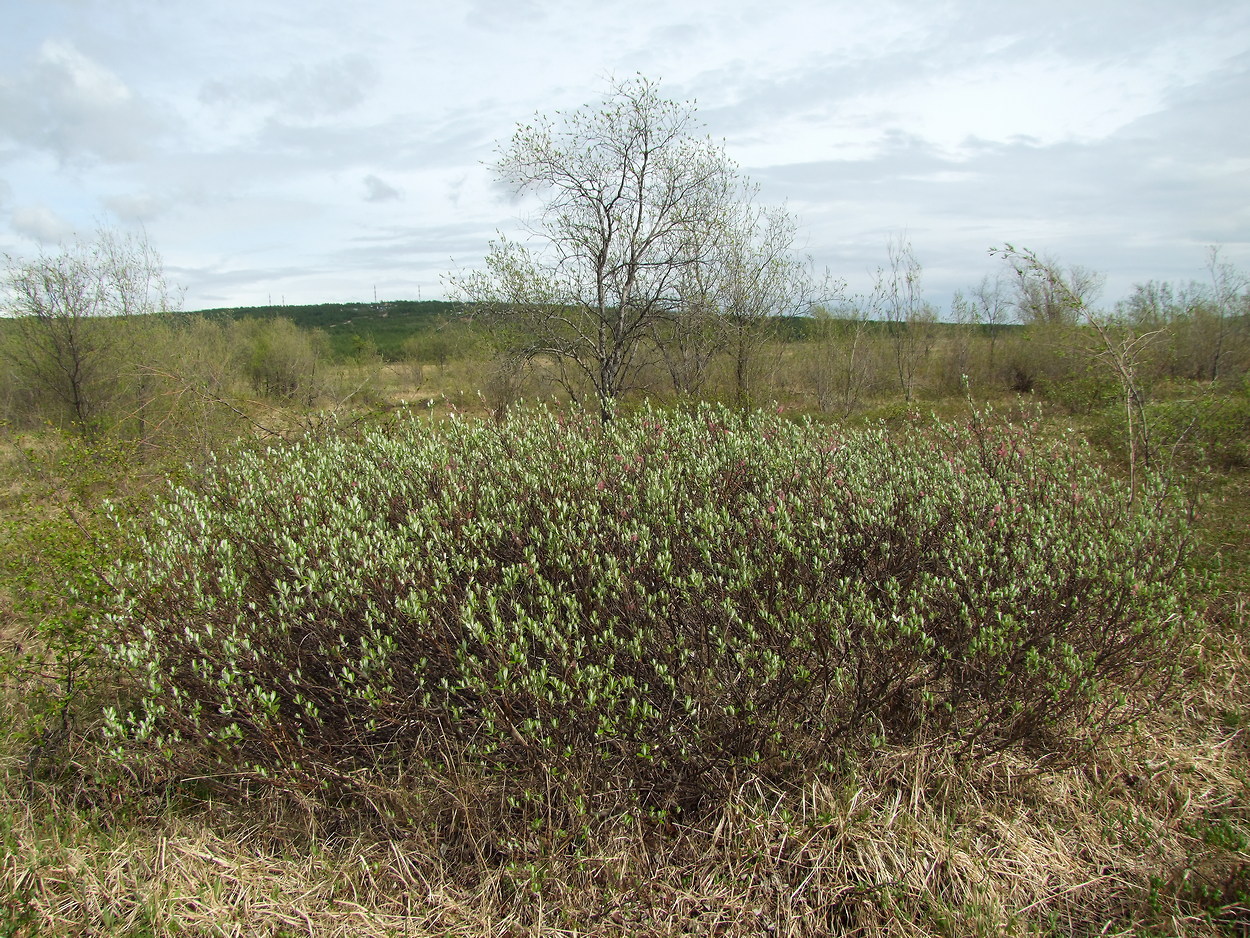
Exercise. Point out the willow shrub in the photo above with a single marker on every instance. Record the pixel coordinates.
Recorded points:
(651, 613)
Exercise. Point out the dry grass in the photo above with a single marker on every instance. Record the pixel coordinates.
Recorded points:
(1143, 839)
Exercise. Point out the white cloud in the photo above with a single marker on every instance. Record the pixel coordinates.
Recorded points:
(503, 15)
(70, 105)
(136, 208)
(40, 223)
(302, 91)
(92, 85)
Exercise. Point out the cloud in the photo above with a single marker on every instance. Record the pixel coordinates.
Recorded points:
(40, 223)
(305, 92)
(408, 143)
(72, 106)
(403, 243)
(378, 190)
(218, 285)
(680, 35)
(136, 208)
(503, 15)
(455, 190)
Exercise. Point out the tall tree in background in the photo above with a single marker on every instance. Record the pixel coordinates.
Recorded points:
(762, 280)
(647, 231)
(1119, 349)
(1228, 293)
(991, 311)
(750, 278)
(1048, 294)
(840, 370)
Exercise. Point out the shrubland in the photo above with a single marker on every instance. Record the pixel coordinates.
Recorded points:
(306, 644)
(700, 669)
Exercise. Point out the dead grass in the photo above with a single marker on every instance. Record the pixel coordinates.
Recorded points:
(1144, 839)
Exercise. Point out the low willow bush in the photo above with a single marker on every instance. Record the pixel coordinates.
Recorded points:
(650, 614)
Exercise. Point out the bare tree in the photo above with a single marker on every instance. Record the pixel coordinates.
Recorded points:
(754, 279)
(688, 343)
(909, 318)
(992, 309)
(841, 368)
(965, 314)
(1048, 293)
(72, 312)
(1206, 322)
(641, 215)
(1228, 291)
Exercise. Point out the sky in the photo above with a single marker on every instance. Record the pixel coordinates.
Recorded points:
(301, 152)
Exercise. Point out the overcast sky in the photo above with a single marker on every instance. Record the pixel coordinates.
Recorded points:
(312, 151)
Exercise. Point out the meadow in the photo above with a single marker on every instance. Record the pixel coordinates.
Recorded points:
(375, 631)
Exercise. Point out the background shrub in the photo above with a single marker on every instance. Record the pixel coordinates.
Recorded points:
(1205, 432)
(1196, 441)
(648, 614)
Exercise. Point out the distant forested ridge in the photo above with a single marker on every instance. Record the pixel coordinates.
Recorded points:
(351, 326)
